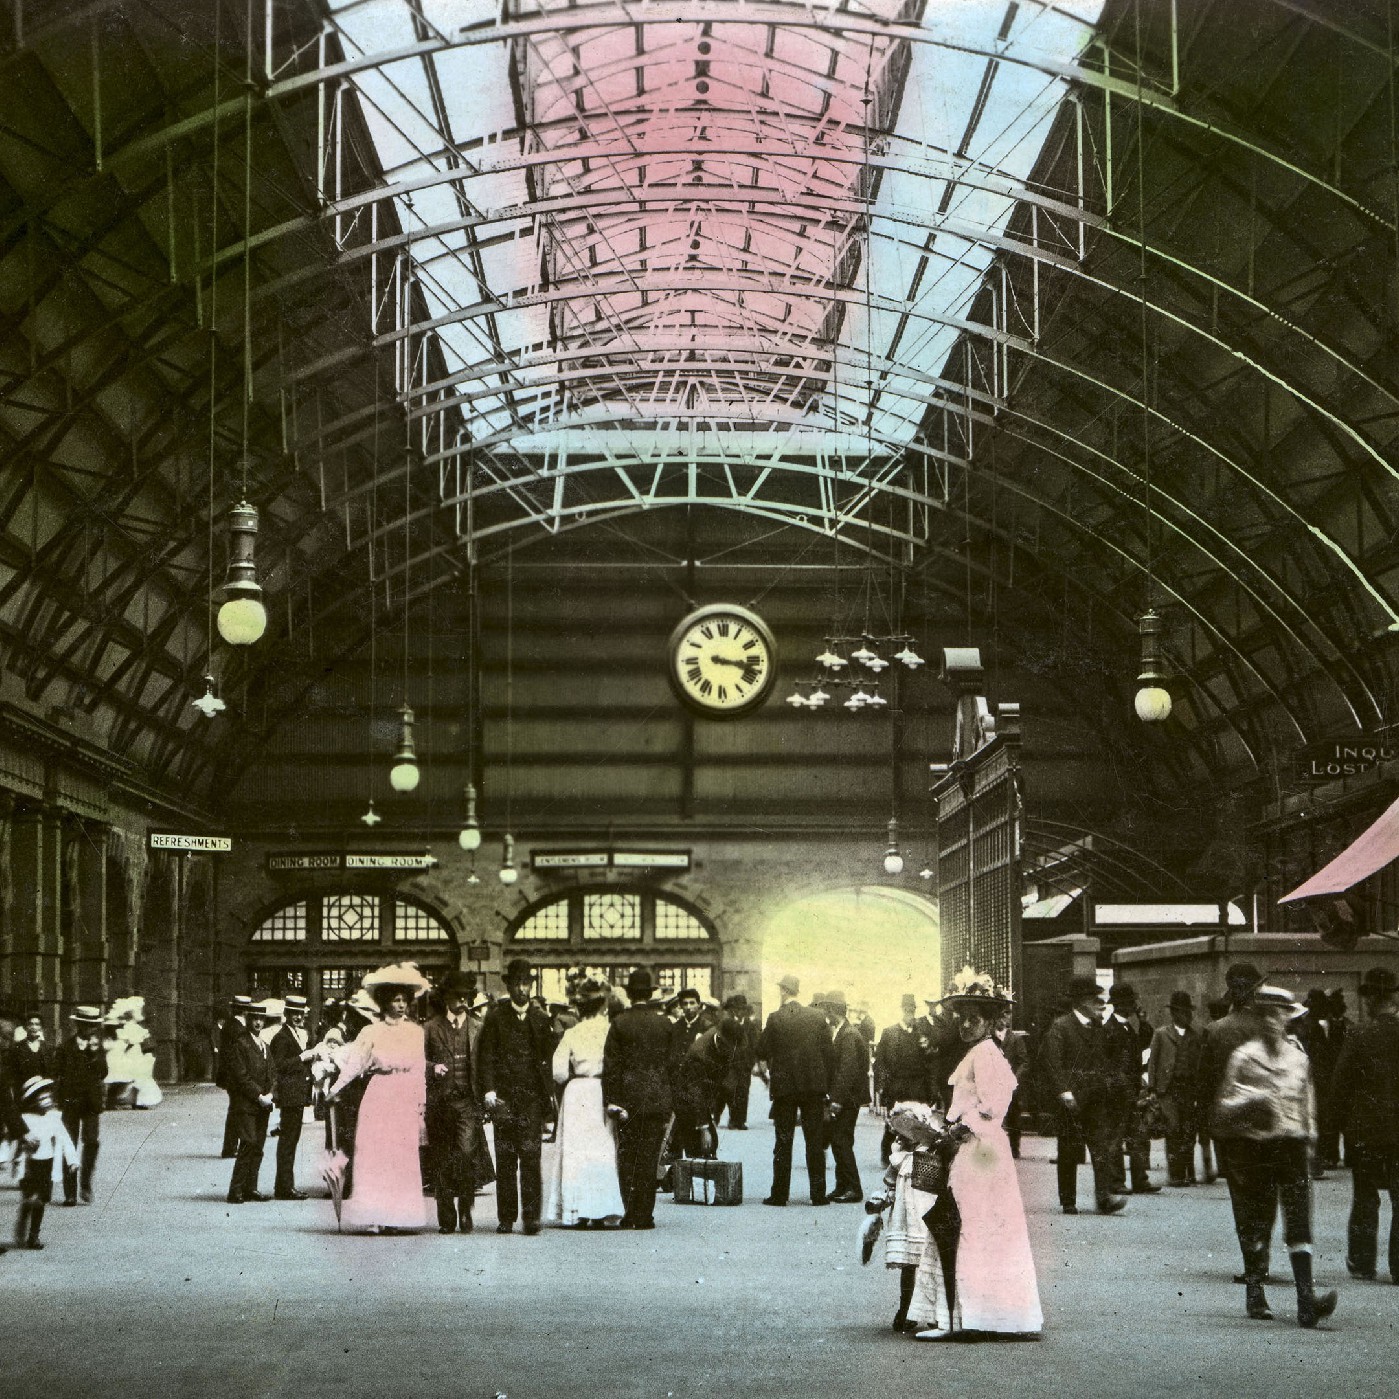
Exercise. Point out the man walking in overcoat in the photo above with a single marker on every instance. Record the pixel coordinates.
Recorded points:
(636, 1089)
(1172, 1078)
(849, 1091)
(249, 1078)
(515, 1068)
(293, 1093)
(1365, 1089)
(455, 1137)
(795, 1047)
(1078, 1069)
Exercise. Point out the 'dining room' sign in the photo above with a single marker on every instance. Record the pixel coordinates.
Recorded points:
(338, 861)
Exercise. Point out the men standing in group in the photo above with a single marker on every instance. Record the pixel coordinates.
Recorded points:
(80, 1075)
(744, 1036)
(250, 1080)
(848, 1091)
(1077, 1068)
(1366, 1094)
(516, 1052)
(1219, 1041)
(795, 1048)
(455, 1138)
(234, 1025)
(293, 1092)
(636, 1090)
(1172, 1078)
(1129, 1037)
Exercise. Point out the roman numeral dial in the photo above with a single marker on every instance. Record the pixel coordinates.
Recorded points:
(722, 661)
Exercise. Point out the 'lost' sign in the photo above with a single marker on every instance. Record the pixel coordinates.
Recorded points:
(1324, 762)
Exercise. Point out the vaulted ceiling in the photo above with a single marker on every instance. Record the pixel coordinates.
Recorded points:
(991, 322)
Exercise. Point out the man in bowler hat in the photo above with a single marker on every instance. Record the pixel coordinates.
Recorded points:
(636, 1089)
(515, 1068)
(740, 1075)
(796, 1049)
(456, 1140)
(1172, 1078)
(1365, 1087)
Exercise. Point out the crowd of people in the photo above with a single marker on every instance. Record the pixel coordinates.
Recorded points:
(416, 1083)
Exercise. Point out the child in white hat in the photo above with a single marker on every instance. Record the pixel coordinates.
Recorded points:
(49, 1150)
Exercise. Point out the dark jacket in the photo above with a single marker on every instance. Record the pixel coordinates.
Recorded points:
(699, 1073)
(850, 1068)
(636, 1061)
(80, 1078)
(293, 1078)
(1124, 1048)
(11, 1122)
(248, 1075)
(26, 1063)
(1084, 1060)
(744, 1036)
(1219, 1040)
(1365, 1085)
(229, 1030)
(517, 1068)
(901, 1072)
(1016, 1047)
(1173, 1071)
(796, 1047)
(437, 1042)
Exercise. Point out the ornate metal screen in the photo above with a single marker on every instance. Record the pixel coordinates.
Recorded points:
(979, 882)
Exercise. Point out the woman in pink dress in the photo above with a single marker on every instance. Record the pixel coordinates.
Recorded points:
(987, 1286)
(388, 1193)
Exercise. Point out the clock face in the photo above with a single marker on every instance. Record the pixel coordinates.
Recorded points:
(722, 660)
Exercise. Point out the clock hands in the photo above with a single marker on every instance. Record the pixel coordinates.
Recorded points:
(728, 660)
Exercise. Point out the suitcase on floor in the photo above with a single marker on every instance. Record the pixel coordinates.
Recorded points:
(708, 1182)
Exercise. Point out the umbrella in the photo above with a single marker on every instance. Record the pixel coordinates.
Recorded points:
(333, 1166)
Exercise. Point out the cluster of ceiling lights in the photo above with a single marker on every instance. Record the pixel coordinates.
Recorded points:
(813, 694)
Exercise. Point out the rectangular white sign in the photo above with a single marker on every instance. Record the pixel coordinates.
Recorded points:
(651, 859)
(162, 840)
(389, 862)
(568, 859)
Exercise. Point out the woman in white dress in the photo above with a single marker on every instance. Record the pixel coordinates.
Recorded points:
(583, 1190)
(992, 1291)
(388, 1191)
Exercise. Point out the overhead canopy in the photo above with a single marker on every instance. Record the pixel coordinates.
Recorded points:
(1367, 854)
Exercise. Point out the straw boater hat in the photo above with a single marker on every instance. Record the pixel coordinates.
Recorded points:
(1277, 998)
(362, 1003)
(294, 1003)
(405, 974)
(33, 1087)
(86, 1015)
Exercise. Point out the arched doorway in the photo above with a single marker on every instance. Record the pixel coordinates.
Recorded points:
(874, 944)
(321, 945)
(609, 931)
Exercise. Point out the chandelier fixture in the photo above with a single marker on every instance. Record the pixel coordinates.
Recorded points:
(208, 704)
(403, 775)
(864, 662)
(371, 818)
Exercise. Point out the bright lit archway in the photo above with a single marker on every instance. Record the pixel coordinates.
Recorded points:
(874, 944)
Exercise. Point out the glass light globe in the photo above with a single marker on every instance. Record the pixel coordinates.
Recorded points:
(893, 863)
(509, 874)
(1153, 704)
(403, 777)
(242, 621)
(470, 838)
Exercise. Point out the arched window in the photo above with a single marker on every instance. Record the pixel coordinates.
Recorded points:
(322, 946)
(608, 932)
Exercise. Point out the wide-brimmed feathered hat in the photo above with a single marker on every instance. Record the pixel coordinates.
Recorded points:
(974, 990)
(405, 974)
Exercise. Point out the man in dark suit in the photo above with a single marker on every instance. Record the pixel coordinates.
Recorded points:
(1365, 1090)
(250, 1080)
(292, 1091)
(795, 1048)
(455, 1137)
(744, 1037)
(80, 1089)
(1077, 1068)
(1220, 1039)
(234, 1023)
(31, 1057)
(1129, 1037)
(1015, 1045)
(1172, 1078)
(942, 1047)
(849, 1091)
(690, 1090)
(636, 1088)
(515, 1069)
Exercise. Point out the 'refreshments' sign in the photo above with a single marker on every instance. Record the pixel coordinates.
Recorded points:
(170, 840)
(1325, 762)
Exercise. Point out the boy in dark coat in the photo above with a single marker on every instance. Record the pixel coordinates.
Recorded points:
(80, 1077)
(517, 1082)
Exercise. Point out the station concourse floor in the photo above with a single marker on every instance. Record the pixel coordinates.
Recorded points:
(161, 1289)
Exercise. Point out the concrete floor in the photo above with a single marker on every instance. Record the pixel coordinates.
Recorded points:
(162, 1290)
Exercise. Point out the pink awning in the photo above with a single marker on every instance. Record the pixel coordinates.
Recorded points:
(1370, 851)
